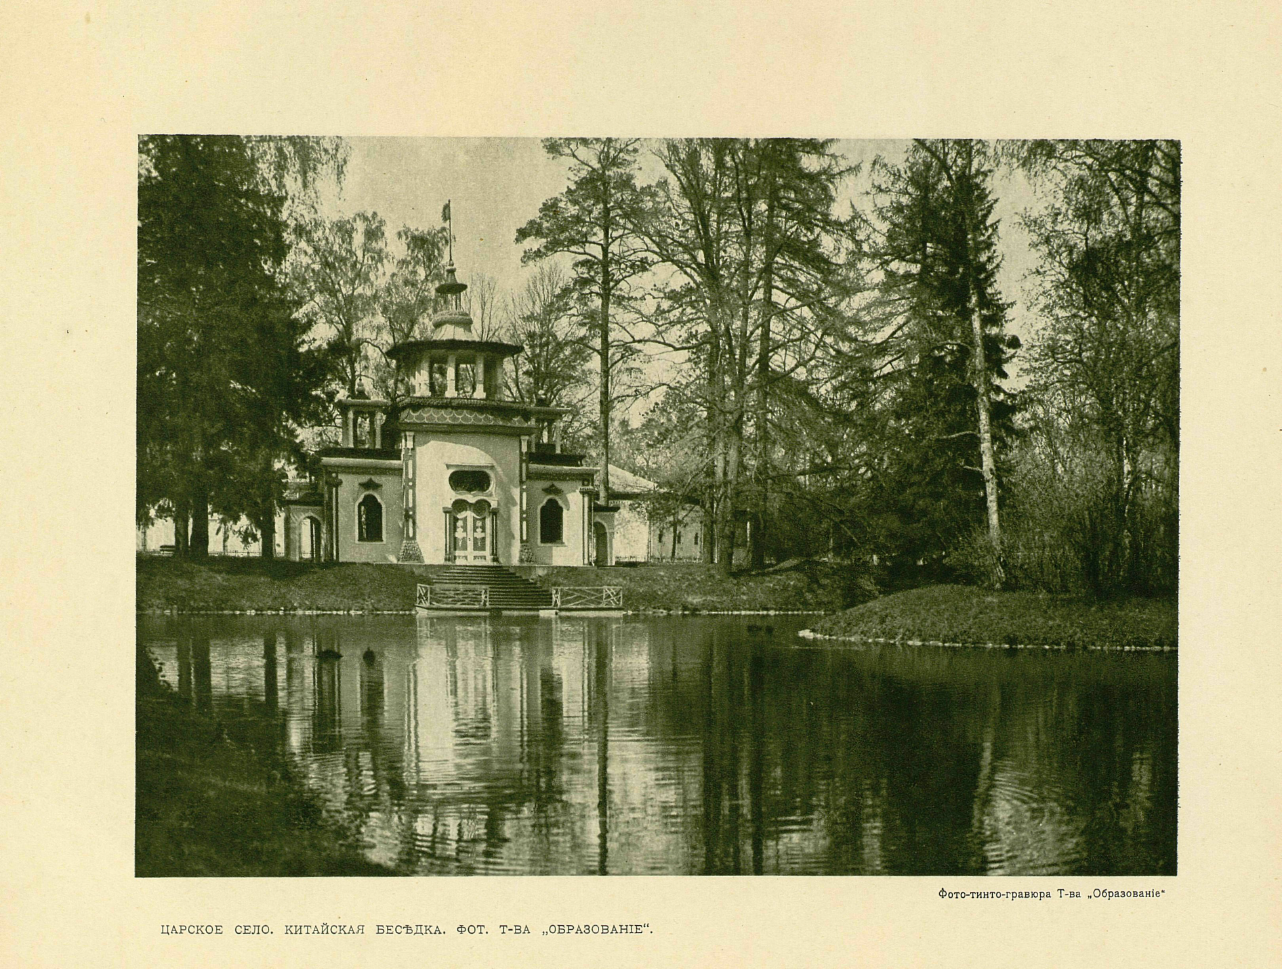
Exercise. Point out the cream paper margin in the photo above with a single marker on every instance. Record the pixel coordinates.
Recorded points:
(79, 82)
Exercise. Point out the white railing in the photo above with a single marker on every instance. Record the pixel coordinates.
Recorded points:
(453, 595)
(587, 597)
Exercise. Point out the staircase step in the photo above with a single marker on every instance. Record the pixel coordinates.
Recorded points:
(507, 589)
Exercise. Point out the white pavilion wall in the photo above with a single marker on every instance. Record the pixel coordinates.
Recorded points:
(438, 455)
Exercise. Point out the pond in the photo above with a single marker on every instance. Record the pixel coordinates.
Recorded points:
(703, 745)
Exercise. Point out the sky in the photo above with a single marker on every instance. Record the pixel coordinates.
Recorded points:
(496, 185)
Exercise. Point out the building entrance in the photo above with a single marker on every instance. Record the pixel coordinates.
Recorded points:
(471, 527)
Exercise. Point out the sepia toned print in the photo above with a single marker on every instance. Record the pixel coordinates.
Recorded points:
(697, 506)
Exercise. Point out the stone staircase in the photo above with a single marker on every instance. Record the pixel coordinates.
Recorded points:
(507, 589)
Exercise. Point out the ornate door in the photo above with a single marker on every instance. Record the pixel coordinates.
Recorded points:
(471, 539)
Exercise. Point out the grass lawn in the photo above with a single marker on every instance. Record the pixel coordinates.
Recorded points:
(683, 587)
(238, 585)
(962, 614)
(224, 585)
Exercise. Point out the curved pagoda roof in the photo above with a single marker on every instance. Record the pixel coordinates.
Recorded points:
(451, 327)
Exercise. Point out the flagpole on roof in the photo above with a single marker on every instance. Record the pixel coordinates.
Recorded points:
(448, 215)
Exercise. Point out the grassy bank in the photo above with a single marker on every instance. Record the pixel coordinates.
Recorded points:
(222, 585)
(962, 614)
(207, 805)
(803, 586)
(228, 585)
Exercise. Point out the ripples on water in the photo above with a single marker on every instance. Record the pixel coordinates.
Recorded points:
(696, 745)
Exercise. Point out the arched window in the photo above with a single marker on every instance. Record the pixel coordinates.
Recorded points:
(551, 522)
(369, 520)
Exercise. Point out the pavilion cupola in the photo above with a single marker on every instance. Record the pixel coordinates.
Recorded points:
(454, 361)
(451, 321)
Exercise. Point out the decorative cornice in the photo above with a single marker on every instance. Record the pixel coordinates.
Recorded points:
(411, 349)
(364, 464)
(550, 473)
(423, 414)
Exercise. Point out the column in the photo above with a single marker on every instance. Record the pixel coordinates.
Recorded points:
(410, 487)
(451, 387)
(479, 392)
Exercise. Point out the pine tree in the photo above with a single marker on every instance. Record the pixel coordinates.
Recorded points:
(590, 222)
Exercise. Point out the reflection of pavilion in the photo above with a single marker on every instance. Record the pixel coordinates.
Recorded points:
(582, 745)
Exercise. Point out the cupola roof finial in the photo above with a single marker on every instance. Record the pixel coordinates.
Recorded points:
(451, 314)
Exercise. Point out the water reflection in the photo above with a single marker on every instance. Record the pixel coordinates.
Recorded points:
(696, 745)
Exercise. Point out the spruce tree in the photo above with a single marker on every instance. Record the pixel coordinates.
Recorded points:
(945, 415)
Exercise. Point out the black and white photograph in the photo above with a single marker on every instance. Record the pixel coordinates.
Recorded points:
(657, 506)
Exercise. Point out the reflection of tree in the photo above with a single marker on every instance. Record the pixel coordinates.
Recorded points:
(270, 686)
(203, 670)
(184, 667)
(601, 653)
(889, 761)
(696, 745)
(327, 672)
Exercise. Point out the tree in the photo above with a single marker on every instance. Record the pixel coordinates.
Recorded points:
(591, 222)
(484, 303)
(338, 274)
(552, 367)
(409, 294)
(747, 230)
(1107, 359)
(213, 320)
(933, 244)
(786, 196)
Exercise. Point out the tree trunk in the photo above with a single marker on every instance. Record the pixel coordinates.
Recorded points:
(182, 522)
(727, 505)
(716, 442)
(605, 384)
(762, 470)
(983, 404)
(988, 465)
(267, 529)
(199, 547)
(267, 512)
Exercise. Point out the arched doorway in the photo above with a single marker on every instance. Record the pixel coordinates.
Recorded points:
(602, 538)
(470, 530)
(310, 540)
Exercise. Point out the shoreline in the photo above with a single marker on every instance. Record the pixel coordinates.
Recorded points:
(810, 634)
(966, 617)
(165, 586)
(414, 612)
